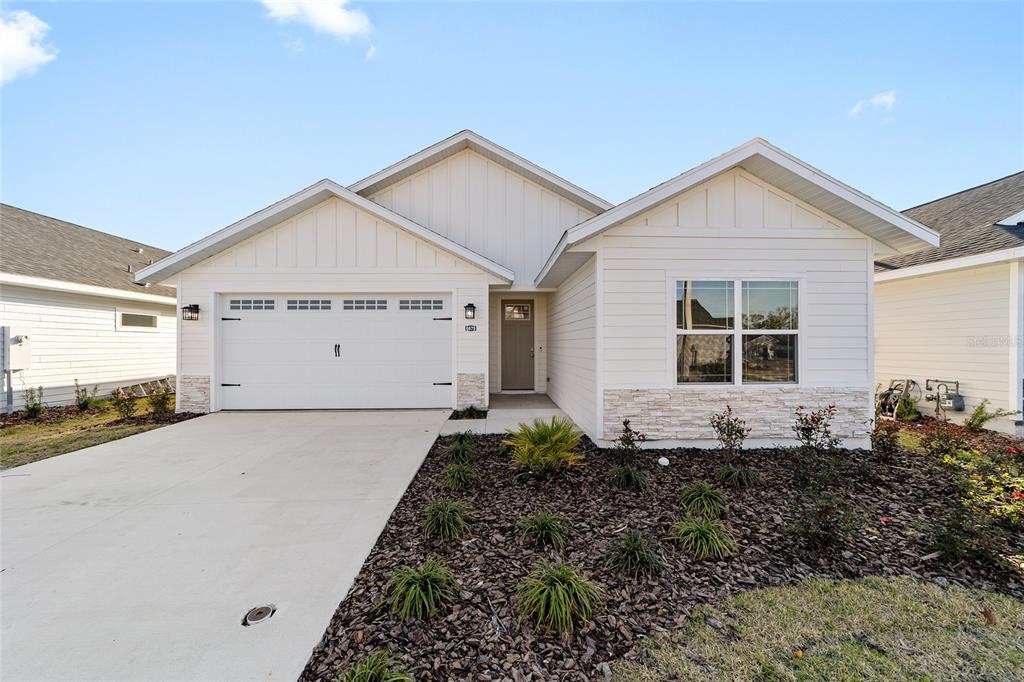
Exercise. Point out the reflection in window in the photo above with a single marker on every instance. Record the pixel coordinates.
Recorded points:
(769, 305)
(769, 358)
(704, 358)
(704, 305)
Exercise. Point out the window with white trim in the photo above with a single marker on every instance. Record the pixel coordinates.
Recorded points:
(709, 332)
(308, 304)
(135, 321)
(251, 304)
(420, 304)
(364, 304)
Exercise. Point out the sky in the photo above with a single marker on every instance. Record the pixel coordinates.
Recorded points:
(165, 121)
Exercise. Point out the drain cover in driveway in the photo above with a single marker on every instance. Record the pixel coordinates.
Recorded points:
(258, 615)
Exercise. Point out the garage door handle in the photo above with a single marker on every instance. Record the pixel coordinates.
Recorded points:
(337, 350)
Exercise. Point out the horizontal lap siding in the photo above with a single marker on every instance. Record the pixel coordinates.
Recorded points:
(572, 347)
(75, 337)
(950, 325)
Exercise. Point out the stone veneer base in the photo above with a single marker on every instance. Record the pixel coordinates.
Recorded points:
(469, 391)
(193, 394)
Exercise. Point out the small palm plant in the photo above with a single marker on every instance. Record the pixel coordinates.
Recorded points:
(633, 554)
(445, 519)
(702, 499)
(419, 592)
(703, 538)
(377, 667)
(545, 447)
(543, 529)
(457, 477)
(555, 597)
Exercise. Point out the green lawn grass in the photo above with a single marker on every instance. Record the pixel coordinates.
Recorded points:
(871, 629)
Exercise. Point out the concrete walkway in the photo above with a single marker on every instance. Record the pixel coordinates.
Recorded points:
(137, 559)
(507, 410)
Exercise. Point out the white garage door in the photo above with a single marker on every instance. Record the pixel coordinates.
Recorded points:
(331, 351)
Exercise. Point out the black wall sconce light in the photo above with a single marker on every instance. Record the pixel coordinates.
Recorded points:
(470, 311)
(190, 312)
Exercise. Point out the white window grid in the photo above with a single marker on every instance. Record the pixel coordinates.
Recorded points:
(364, 304)
(420, 304)
(309, 304)
(251, 304)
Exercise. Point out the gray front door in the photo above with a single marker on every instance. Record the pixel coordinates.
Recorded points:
(517, 345)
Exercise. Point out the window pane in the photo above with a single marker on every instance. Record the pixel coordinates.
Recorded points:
(769, 357)
(704, 305)
(133, 320)
(703, 358)
(769, 305)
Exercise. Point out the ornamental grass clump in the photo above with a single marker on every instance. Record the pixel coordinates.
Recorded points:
(457, 477)
(460, 452)
(555, 597)
(418, 593)
(626, 477)
(633, 554)
(445, 519)
(376, 667)
(543, 529)
(545, 447)
(733, 476)
(703, 538)
(701, 499)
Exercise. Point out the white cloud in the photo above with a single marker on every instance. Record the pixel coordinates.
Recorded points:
(370, 51)
(328, 16)
(21, 45)
(882, 100)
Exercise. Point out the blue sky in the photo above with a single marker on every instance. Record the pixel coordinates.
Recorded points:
(166, 121)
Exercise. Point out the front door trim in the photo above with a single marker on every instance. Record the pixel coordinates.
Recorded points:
(517, 344)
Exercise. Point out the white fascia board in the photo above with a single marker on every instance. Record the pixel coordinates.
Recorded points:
(84, 289)
(951, 264)
(206, 247)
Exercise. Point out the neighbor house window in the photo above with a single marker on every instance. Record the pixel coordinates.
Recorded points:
(135, 321)
(709, 333)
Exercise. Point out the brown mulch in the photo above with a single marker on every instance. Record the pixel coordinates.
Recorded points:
(478, 638)
(990, 442)
(170, 418)
(458, 415)
(52, 414)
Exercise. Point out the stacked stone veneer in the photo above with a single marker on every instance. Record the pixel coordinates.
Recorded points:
(193, 394)
(683, 413)
(469, 391)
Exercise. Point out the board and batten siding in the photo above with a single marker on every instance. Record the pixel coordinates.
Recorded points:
(487, 208)
(76, 337)
(951, 325)
(333, 247)
(572, 346)
(734, 226)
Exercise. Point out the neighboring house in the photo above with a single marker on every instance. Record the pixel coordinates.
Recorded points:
(69, 298)
(466, 270)
(956, 312)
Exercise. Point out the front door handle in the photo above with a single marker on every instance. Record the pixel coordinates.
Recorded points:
(531, 352)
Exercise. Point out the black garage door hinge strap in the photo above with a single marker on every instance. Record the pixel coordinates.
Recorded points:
(231, 384)
(442, 318)
(442, 383)
(230, 319)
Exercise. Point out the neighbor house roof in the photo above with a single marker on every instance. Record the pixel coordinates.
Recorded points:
(36, 249)
(292, 206)
(467, 139)
(897, 231)
(972, 222)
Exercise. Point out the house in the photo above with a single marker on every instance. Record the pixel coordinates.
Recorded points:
(71, 306)
(956, 312)
(465, 270)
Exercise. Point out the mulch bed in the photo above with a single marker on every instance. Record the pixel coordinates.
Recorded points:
(458, 415)
(65, 412)
(477, 637)
(990, 442)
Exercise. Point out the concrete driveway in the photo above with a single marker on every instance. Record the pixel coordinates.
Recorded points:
(137, 559)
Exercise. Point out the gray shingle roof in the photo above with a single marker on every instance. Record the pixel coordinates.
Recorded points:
(966, 222)
(36, 245)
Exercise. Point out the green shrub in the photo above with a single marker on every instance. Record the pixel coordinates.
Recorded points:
(981, 416)
(34, 406)
(463, 437)
(885, 438)
(942, 439)
(471, 412)
(730, 430)
(700, 498)
(633, 554)
(123, 402)
(555, 596)
(445, 519)
(906, 410)
(814, 429)
(84, 399)
(628, 477)
(162, 402)
(377, 667)
(545, 447)
(824, 522)
(703, 538)
(990, 486)
(736, 476)
(419, 592)
(628, 449)
(461, 452)
(457, 476)
(543, 529)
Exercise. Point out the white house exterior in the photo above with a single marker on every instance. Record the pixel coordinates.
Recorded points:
(466, 270)
(69, 300)
(957, 312)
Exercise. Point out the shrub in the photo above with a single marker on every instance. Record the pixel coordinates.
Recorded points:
(461, 452)
(703, 538)
(84, 399)
(555, 596)
(989, 486)
(702, 499)
(885, 438)
(457, 476)
(906, 410)
(545, 447)
(34, 406)
(814, 429)
(377, 667)
(463, 437)
(824, 522)
(730, 430)
(981, 416)
(736, 476)
(942, 439)
(445, 519)
(419, 592)
(628, 477)
(162, 402)
(543, 529)
(123, 402)
(628, 449)
(633, 554)
(471, 412)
